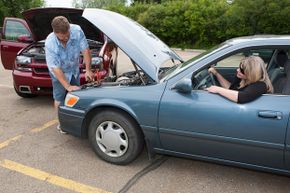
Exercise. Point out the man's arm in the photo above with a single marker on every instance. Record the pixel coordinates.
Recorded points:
(87, 59)
(62, 79)
(53, 64)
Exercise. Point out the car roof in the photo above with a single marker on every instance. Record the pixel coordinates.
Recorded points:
(260, 40)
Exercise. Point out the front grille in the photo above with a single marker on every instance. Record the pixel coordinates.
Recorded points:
(40, 70)
(40, 60)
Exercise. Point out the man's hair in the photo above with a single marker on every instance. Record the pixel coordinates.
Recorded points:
(60, 24)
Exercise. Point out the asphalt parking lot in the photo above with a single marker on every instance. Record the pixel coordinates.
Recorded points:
(35, 158)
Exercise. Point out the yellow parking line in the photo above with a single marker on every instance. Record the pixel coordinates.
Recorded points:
(38, 129)
(46, 125)
(50, 178)
(7, 142)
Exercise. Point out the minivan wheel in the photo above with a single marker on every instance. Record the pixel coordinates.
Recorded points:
(115, 137)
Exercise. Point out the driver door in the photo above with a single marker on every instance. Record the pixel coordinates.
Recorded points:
(206, 125)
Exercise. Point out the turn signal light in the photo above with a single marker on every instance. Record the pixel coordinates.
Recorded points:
(71, 100)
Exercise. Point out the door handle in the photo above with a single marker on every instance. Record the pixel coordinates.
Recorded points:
(270, 114)
(5, 46)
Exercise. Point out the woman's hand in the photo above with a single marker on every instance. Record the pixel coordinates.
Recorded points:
(212, 70)
(213, 89)
(227, 93)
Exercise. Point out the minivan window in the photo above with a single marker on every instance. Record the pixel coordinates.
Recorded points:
(14, 29)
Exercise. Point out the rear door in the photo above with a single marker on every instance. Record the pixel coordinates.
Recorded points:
(11, 43)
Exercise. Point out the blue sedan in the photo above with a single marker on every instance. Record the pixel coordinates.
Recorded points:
(162, 104)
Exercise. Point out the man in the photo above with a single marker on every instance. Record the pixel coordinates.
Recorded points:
(62, 50)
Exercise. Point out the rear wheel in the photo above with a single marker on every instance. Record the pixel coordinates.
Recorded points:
(115, 137)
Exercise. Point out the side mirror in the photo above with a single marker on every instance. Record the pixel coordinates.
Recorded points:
(183, 86)
(24, 39)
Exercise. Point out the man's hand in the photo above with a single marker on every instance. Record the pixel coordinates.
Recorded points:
(72, 88)
(89, 75)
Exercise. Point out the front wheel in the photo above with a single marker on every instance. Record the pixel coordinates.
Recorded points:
(115, 137)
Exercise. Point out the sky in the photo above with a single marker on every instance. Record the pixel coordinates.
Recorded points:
(58, 3)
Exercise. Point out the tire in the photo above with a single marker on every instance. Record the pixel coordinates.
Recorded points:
(115, 137)
(24, 95)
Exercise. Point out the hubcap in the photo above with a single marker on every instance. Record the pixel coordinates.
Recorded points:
(112, 139)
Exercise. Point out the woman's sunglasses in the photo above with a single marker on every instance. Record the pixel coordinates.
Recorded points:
(241, 69)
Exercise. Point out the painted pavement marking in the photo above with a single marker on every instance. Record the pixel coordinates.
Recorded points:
(34, 130)
(45, 126)
(7, 142)
(50, 178)
(41, 175)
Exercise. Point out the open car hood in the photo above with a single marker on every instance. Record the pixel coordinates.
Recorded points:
(39, 22)
(143, 47)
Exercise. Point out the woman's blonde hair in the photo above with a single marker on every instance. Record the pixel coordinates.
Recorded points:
(255, 70)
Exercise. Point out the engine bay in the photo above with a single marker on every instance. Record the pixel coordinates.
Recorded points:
(132, 78)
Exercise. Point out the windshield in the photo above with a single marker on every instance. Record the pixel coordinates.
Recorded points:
(169, 72)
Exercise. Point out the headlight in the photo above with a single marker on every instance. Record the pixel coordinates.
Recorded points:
(23, 60)
(22, 63)
(70, 100)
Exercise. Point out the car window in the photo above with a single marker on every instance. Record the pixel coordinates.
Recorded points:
(231, 61)
(14, 29)
(234, 60)
(265, 54)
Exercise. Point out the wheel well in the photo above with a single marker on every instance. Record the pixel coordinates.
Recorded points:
(97, 110)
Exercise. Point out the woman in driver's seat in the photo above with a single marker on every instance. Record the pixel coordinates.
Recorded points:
(251, 82)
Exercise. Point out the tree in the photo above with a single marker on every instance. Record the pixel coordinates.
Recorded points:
(147, 1)
(247, 17)
(14, 8)
(97, 3)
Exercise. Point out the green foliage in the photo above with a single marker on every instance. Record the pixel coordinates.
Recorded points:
(264, 16)
(132, 11)
(204, 23)
(14, 8)
(147, 1)
(97, 3)
(188, 23)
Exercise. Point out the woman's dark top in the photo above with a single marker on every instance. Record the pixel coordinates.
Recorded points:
(249, 92)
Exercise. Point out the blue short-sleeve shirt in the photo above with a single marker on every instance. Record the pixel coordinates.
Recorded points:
(67, 59)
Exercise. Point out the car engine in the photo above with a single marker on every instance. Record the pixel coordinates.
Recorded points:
(132, 78)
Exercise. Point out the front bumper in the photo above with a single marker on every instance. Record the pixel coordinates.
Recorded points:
(71, 120)
(28, 82)
(40, 85)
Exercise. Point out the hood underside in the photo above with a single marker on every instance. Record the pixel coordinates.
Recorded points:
(143, 47)
(39, 21)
